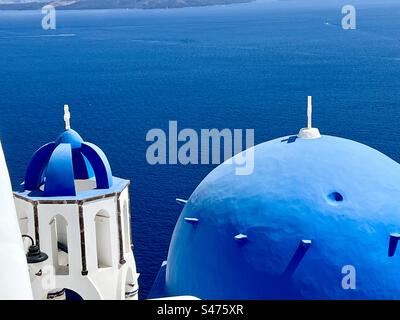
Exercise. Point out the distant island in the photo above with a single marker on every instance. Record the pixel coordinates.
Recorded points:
(111, 4)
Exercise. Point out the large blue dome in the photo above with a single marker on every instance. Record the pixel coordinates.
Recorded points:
(55, 166)
(310, 208)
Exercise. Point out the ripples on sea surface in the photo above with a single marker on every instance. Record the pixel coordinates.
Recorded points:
(124, 72)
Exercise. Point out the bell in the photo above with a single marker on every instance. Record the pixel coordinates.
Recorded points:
(34, 255)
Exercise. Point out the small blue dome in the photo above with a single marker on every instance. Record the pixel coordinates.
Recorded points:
(58, 164)
(288, 231)
(72, 137)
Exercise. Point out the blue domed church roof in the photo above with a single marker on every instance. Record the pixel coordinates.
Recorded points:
(315, 209)
(286, 231)
(57, 165)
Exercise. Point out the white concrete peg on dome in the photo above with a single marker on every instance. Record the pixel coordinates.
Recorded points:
(67, 117)
(192, 220)
(309, 132)
(181, 201)
(240, 236)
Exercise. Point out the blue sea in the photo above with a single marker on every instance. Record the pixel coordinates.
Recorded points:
(125, 72)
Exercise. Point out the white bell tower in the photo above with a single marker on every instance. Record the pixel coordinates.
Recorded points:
(79, 215)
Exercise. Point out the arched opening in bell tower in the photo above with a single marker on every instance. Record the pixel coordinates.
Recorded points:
(103, 239)
(59, 243)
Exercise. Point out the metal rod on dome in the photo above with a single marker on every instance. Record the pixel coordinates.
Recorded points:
(309, 112)
(309, 132)
(67, 117)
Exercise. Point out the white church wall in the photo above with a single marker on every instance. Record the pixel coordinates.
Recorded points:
(26, 220)
(14, 276)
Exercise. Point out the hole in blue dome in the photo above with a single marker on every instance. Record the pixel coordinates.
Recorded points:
(335, 197)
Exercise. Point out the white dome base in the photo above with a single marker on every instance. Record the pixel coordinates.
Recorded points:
(309, 133)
